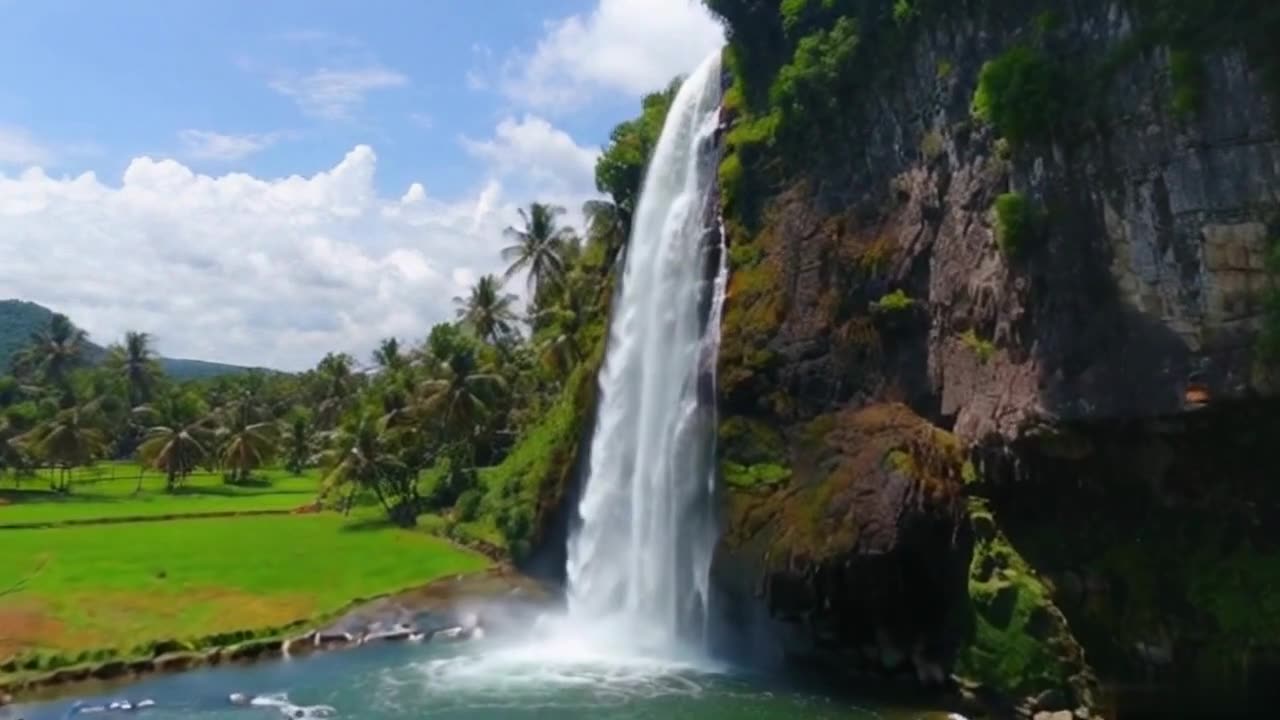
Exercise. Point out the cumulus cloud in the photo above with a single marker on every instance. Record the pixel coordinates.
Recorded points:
(627, 46)
(210, 145)
(539, 152)
(334, 94)
(236, 268)
(18, 147)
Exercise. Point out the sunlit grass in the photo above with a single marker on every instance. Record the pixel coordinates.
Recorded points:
(121, 585)
(111, 490)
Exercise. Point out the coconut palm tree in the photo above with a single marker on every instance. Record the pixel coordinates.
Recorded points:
(175, 451)
(67, 441)
(388, 357)
(536, 246)
(178, 438)
(361, 457)
(297, 443)
(488, 312)
(53, 353)
(459, 400)
(606, 225)
(337, 381)
(246, 442)
(135, 363)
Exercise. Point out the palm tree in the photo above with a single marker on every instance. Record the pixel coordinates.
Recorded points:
(488, 312)
(246, 441)
(174, 451)
(360, 457)
(388, 356)
(337, 383)
(178, 438)
(606, 224)
(537, 246)
(297, 443)
(458, 399)
(69, 440)
(53, 353)
(135, 363)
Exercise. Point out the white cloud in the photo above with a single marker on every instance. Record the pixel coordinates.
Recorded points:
(539, 153)
(627, 46)
(210, 145)
(259, 271)
(17, 147)
(335, 94)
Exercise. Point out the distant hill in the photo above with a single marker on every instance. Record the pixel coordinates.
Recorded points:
(19, 318)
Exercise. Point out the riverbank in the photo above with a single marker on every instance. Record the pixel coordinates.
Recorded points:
(344, 628)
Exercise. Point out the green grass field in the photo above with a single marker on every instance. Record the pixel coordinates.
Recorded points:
(124, 584)
(121, 584)
(109, 490)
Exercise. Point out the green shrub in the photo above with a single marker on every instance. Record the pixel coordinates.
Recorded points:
(1019, 94)
(752, 476)
(1015, 222)
(932, 145)
(468, 506)
(896, 301)
(904, 11)
(1186, 73)
(945, 68)
(984, 349)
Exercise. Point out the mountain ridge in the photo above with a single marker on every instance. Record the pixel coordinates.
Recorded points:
(19, 318)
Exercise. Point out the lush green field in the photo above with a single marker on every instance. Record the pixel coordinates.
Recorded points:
(109, 490)
(121, 585)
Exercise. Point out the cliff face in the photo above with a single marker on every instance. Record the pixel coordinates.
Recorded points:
(1081, 308)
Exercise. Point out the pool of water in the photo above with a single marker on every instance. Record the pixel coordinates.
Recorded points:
(475, 680)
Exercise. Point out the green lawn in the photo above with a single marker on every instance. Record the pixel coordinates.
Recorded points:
(120, 585)
(108, 490)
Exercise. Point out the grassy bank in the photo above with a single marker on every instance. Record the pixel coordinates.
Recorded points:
(126, 584)
(111, 490)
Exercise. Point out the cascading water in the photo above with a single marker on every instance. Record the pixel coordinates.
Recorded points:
(640, 559)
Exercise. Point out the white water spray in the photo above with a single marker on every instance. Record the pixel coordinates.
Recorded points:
(639, 562)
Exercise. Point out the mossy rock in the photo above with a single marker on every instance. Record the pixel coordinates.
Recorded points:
(874, 502)
(1018, 642)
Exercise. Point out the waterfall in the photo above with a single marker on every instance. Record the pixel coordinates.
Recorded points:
(640, 558)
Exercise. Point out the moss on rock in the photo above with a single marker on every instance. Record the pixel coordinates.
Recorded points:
(1018, 641)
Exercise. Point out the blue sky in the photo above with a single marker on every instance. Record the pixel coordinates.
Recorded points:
(153, 144)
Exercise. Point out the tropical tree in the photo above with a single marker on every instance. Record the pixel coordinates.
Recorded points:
(135, 363)
(606, 226)
(536, 246)
(52, 354)
(362, 457)
(297, 442)
(69, 440)
(336, 376)
(15, 421)
(388, 357)
(458, 401)
(178, 438)
(488, 311)
(246, 442)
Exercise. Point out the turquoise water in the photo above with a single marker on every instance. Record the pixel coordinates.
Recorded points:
(472, 681)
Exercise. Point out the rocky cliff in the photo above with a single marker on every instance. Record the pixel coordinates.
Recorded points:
(992, 396)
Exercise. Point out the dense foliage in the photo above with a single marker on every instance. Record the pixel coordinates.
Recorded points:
(1018, 94)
